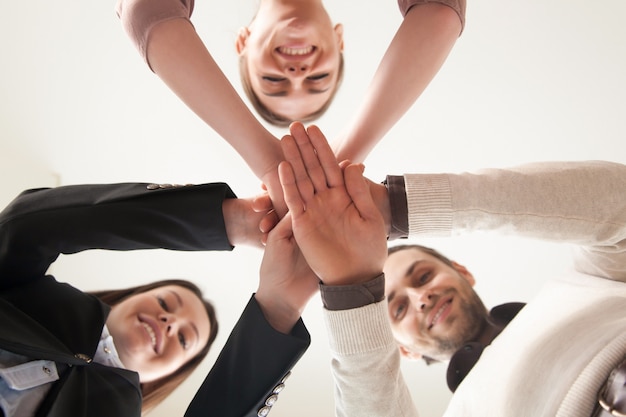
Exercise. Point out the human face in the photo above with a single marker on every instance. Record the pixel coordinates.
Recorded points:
(433, 308)
(293, 55)
(158, 331)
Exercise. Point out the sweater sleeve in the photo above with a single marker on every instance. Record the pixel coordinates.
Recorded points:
(365, 364)
(579, 203)
(138, 17)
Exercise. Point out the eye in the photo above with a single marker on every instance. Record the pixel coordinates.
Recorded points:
(182, 340)
(399, 311)
(273, 79)
(424, 277)
(317, 77)
(163, 304)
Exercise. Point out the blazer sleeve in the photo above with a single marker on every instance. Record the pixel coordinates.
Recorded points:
(42, 223)
(251, 369)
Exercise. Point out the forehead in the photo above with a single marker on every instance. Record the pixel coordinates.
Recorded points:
(398, 263)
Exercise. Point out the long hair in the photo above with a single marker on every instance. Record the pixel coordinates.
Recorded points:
(156, 391)
(268, 115)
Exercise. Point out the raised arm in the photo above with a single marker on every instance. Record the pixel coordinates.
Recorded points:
(416, 53)
(164, 35)
(343, 237)
(245, 376)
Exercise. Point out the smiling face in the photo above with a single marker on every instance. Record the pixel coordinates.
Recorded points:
(292, 54)
(158, 331)
(433, 308)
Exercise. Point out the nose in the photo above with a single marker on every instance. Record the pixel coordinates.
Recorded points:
(168, 320)
(297, 68)
(422, 300)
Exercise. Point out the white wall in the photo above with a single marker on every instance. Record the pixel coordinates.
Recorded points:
(527, 81)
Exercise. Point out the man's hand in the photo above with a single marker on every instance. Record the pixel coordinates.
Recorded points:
(339, 229)
(286, 281)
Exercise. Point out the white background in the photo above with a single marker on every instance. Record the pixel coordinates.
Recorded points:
(527, 81)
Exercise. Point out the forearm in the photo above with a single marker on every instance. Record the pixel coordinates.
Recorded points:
(366, 364)
(41, 224)
(244, 374)
(178, 56)
(415, 55)
(277, 311)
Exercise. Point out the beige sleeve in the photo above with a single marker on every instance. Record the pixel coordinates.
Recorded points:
(366, 364)
(580, 203)
(457, 5)
(138, 17)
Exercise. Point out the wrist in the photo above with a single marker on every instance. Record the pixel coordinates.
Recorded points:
(380, 195)
(279, 314)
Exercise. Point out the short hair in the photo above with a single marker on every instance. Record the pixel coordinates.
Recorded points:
(426, 249)
(276, 119)
(156, 391)
(432, 252)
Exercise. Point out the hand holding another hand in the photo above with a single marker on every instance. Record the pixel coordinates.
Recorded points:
(335, 222)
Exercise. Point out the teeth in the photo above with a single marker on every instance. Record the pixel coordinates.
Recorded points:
(295, 51)
(439, 313)
(151, 333)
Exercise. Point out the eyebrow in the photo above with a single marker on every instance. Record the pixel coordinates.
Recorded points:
(181, 304)
(408, 273)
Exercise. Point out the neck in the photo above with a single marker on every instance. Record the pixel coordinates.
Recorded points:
(489, 331)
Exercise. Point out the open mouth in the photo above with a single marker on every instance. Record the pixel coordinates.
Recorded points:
(439, 313)
(151, 333)
(291, 51)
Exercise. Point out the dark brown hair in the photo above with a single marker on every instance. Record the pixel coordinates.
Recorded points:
(156, 391)
(276, 119)
(425, 249)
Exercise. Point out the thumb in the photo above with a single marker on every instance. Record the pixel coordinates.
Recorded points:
(359, 191)
(282, 231)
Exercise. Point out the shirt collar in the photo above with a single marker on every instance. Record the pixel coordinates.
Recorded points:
(466, 357)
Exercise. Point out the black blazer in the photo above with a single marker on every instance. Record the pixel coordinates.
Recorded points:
(64, 324)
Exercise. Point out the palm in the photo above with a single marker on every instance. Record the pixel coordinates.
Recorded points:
(336, 225)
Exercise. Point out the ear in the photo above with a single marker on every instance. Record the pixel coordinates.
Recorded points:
(242, 38)
(410, 355)
(462, 270)
(339, 35)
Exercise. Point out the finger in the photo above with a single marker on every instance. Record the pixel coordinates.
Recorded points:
(262, 203)
(343, 164)
(282, 230)
(326, 157)
(359, 191)
(301, 177)
(309, 157)
(268, 221)
(293, 199)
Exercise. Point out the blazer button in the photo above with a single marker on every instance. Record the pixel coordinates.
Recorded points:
(263, 412)
(271, 400)
(278, 388)
(84, 357)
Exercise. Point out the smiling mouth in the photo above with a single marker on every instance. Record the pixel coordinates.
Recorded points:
(151, 333)
(439, 313)
(296, 51)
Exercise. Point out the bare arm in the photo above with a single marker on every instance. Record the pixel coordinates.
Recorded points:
(178, 56)
(415, 55)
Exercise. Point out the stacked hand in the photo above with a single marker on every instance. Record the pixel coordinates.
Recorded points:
(333, 231)
(335, 221)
